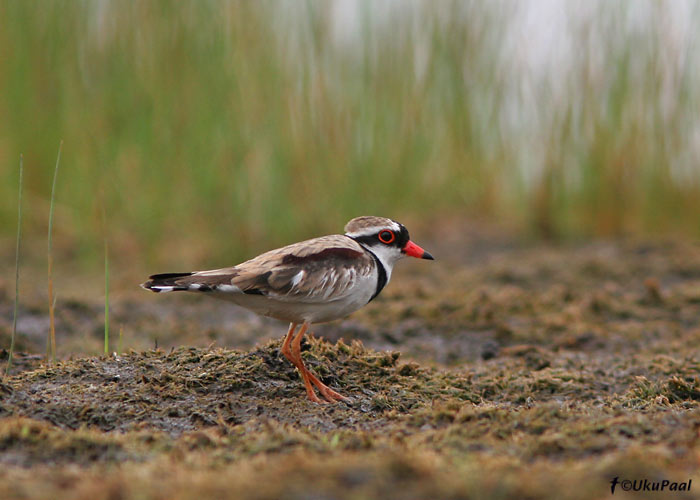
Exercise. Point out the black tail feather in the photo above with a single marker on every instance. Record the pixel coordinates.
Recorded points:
(165, 280)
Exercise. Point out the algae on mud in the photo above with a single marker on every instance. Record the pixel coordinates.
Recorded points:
(530, 372)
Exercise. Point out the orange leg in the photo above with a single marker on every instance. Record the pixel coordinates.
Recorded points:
(287, 340)
(299, 365)
(325, 391)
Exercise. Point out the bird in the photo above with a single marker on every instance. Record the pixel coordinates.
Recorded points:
(313, 281)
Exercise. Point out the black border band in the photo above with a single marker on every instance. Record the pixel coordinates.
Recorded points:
(381, 275)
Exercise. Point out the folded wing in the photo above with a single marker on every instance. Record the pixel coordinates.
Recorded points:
(319, 270)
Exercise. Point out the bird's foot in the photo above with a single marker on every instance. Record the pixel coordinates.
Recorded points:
(328, 393)
(310, 393)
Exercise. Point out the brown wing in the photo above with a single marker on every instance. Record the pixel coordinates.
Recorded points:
(320, 269)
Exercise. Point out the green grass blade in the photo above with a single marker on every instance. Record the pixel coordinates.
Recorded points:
(19, 239)
(120, 348)
(106, 283)
(51, 344)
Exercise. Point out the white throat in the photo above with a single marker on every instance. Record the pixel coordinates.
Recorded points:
(387, 255)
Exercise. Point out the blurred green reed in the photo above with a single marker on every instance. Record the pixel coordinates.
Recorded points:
(221, 128)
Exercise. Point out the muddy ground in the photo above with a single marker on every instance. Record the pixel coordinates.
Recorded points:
(502, 370)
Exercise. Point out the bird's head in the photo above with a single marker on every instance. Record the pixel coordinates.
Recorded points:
(385, 238)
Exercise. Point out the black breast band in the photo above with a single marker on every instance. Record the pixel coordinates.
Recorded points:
(381, 275)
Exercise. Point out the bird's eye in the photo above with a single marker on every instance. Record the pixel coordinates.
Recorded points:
(387, 237)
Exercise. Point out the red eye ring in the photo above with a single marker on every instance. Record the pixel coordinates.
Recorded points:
(387, 237)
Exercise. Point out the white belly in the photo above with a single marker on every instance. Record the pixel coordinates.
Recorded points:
(299, 311)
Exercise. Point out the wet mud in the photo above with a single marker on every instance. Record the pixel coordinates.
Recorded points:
(502, 370)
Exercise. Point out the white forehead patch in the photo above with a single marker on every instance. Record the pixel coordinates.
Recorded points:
(371, 230)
